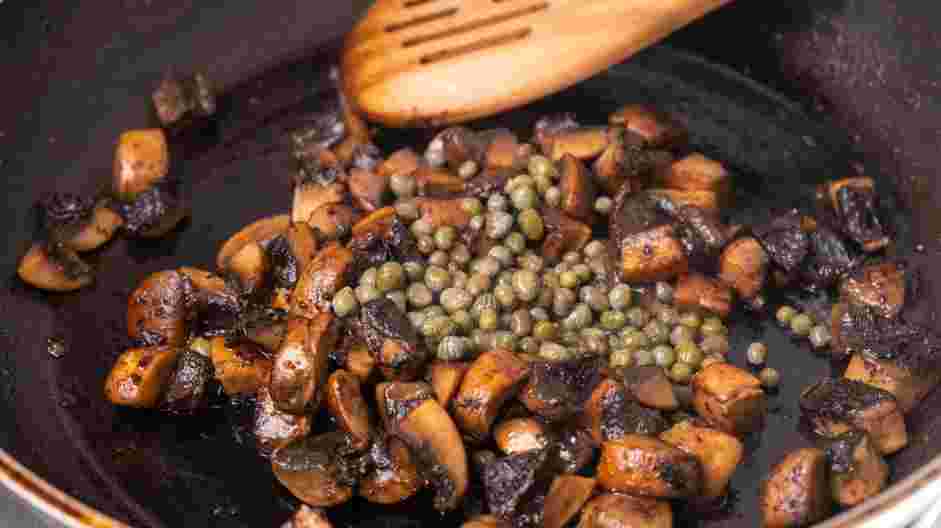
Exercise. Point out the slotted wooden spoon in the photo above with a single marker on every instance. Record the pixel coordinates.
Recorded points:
(430, 62)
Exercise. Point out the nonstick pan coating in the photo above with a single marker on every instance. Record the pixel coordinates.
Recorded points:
(151, 470)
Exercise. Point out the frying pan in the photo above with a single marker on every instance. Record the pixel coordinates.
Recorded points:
(864, 75)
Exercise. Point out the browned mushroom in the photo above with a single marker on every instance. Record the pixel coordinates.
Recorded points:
(613, 413)
(303, 243)
(655, 129)
(572, 450)
(411, 413)
(333, 221)
(140, 376)
(486, 521)
(250, 265)
(567, 495)
(581, 143)
(274, 428)
(327, 274)
(438, 183)
(796, 491)
(310, 196)
(645, 466)
(441, 212)
(402, 161)
(260, 231)
(718, 452)
(838, 405)
(696, 172)
(563, 234)
(157, 310)
(346, 405)
(99, 229)
(374, 223)
(391, 339)
(908, 385)
(57, 269)
(653, 255)
(188, 386)
(503, 151)
(857, 469)
(556, 390)
(299, 372)
(881, 287)
(518, 435)
(394, 476)
(855, 204)
(613, 510)
(307, 517)
(650, 386)
(706, 200)
(241, 368)
(743, 265)
(367, 189)
(317, 469)
(577, 188)
(493, 378)
(141, 159)
(445, 378)
(359, 362)
(695, 291)
(729, 398)
(509, 483)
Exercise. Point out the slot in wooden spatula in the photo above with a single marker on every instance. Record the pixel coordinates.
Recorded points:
(430, 62)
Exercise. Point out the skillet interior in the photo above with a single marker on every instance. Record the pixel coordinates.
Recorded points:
(191, 472)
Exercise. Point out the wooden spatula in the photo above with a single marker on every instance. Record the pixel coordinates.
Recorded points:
(430, 62)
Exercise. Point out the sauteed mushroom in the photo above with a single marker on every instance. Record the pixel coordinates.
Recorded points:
(319, 470)
(796, 492)
(613, 510)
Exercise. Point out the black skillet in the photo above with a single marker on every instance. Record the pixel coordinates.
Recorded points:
(90, 79)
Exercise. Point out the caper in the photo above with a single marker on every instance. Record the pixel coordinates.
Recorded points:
(506, 340)
(483, 301)
(505, 295)
(663, 356)
(366, 293)
(437, 278)
(681, 373)
(497, 202)
(520, 180)
(417, 318)
(595, 298)
(422, 227)
(403, 184)
(563, 302)
(614, 341)
(528, 345)
(344, 302)
(603, 205)
(463, 320)
(515, 242)
(568, 279)
(643, 357)
(482, 340)
(477, 223)
(467, 170)
(637, 316)
(594, 344)
(489, 319)
(553, 196)
(460, 254)
(550, 279)
(489, 266)
(369, 276)
(634, 339)
(769, 377)
(445, 237)
(426, 244)
(801, 324)
(594, 249)
(524, 197)
(437, 326)
(579, 318)
(531, 224)
(690, 320)
(521, 323)
(664, 292)
(668, 315)
(542, 183)
(407, 209)
(458, 277)
(613, 320)
(819, 336)
(680, 334)
(453, 348)
(657, 332)
(713, 326)
(454, 299)
(785, 314)
(398, 298)
(526, 285)
(545, 331)
(531, 261)
(620, 297)
(621, 358)
(689, 353)
(477, 284)
(439, 258)
(434, 311)
(541, 166)
(471, 206)
(415, 270)
(502, 254)
(715, 345)
(757, 353)
(583, 272)
(538, 313)
(390, 276)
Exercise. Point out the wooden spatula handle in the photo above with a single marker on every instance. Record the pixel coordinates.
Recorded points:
(449, 61)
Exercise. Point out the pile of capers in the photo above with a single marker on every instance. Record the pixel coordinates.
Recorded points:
(802, 324)
(463, 303)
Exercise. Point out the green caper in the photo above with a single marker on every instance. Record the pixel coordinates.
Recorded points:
(515, 242)
(366, 293)
(506, 340)
(663, 356)
(542, 166)
(454, 299)
(643, 357)
(785, 314)
(501, 253)
(594, 298)
(368, 277)
(524, 197)
(553, 196)
(506, 297)
(568, 279)
(634, 339)
(538, 313)
(680, 334)
(422, 227)
(690, 320)
(613, 320)
(638, 317)
(801, 324)
(563, 302)
(545, 330)
(460, 254)
(463, 320)
(554, 352)
(531, 224)
(521, 323)
(437, 278)
(434, 311)
(620, 297)
(477, 284)
(437, 326)
(526, 285)
(579, 318)
(769, 377)
(689, 353)
(520, 180)
(583, 272)
(489, 266)
(472, 206)
(467, 170)
(439, 258)
(531, 261)
(621, 358)
(681, 373)
(614, 341)
(445, 237)
(489, 319)
(594, 344)
(483, 301)
(344, 302)
(426, 244)
(668, 315)
(713, 326)
(715, 345)
(528, 345)
(603, 205)
(482, 340)
(542, 183)
(550, 279)
(820, 336)
(497, 202)
(407, 209)
(458, 277)
(757, 353)
(657, 332)
(415, 270)
(403, 184)
(594, 249)
(391, 276)
(453, 348)
(664, 292)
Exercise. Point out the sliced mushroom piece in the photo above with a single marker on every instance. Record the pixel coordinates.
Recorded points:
(507, 481)
(743, 265)
(251, 266)
(445, 378)
(411, 413)
(99, 229)
(718, 452)
(261, 231)
(391, 339)
(266, 328)
(613, 414)
(141, 159)
(563, 234)
(572, 451)
(518, 435)
(375, 224)
(830, 257)
(327, 274)
(333, 221)
(318, 470)
(837, 405)
(438, 183)
(695, 291)
(347, 406)
(650, 386)
(209, 288)
(581, 143)
(696, 172)
(857, 469)
(140, 376)
(187, 387)
(567, 495)
(274, 428)
(155, 212)
(402, 161)
(486, 521)
(655, 129)
(310, 196)
(855, 202)
(652, 255)
(882, 287)
(440, 212)
(547, 127)
(317, 165)
(503, 151)
(907, 384)
(359, 362)
(706, 200)
(158, 308)
(796, 492)
(613, 510)
(54, 268)
(394, 476)
(577, 188)
(785, 240)
(493, 378)
(729, 398)
(241, 368)
(368, 190)
(307, 517)
(648, 467)
(462, 144)
(299, 372)
(557, 390)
